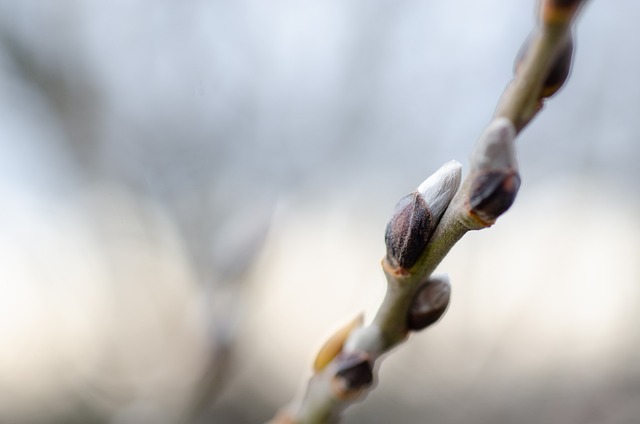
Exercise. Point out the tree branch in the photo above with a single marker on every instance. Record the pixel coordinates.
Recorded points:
(427, 223)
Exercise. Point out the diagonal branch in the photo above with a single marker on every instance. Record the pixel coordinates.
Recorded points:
(427, 223)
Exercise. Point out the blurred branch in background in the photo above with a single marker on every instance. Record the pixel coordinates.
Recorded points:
(165, 165)
(167, 258)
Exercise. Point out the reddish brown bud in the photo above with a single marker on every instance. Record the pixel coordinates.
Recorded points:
(494, 171)
(408, 231)
(416, 216)
(354, 373)
(559, 70)
(493, 193)
(430, 303)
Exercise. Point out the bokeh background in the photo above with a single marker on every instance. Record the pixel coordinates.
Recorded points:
(193, 196)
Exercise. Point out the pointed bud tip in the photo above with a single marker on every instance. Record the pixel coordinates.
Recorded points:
(438, 190)
(446, 178)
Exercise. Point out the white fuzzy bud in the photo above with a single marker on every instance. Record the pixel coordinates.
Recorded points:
(438, 190)
(496, 147)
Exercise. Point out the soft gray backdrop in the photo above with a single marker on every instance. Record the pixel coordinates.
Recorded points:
(193, 196)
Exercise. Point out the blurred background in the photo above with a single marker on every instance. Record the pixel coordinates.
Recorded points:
(193, 196)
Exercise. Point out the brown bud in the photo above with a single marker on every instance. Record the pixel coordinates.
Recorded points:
(430, 303)
(354, 373)
(559, 70)
(493, 193)
(416, 216)
(494, 173)
(408, 231)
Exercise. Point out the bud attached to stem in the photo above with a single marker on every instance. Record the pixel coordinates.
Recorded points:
(495, 181)
(408, 230)
(493, 194)
(416, 216)
(559, 70)
(354, 373)
(333, 346)
(430, 303)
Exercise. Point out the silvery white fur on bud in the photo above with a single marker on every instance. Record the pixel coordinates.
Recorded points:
(495, 148)
(494, 169)
(438, 190)
(366, 339)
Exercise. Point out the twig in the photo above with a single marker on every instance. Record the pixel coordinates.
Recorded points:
(427, 223)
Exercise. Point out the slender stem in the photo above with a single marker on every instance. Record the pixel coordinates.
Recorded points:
(487, 191)
(392, 315)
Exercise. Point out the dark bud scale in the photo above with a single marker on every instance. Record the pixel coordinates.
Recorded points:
(355, 370)
(408, 231)
(493, 193)
(429, 305)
